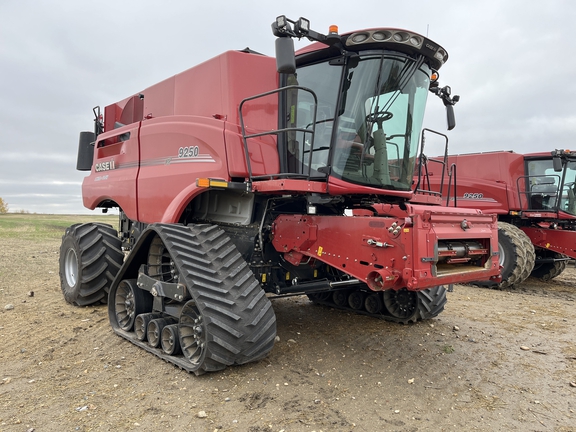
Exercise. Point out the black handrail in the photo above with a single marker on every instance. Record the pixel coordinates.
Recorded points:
(277, 132)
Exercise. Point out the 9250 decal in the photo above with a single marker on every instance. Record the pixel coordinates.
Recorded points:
(191, 151)
(470, 195)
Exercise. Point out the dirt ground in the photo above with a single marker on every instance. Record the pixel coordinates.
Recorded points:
(493, 360)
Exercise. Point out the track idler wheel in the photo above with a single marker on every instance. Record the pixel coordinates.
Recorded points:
(129, 302)
(192, 334)
(400, 304)
(169, 339)
(410, 306)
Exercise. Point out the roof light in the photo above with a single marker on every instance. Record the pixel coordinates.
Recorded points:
(415, 40)
(281, 21)
(359, 37)
(333, 29)
(304, 24)
(400, 37)
(381, 35)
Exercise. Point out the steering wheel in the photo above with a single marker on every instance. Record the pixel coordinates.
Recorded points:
(378, 117)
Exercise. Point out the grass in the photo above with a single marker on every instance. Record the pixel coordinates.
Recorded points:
(447, 349)
(42, 226)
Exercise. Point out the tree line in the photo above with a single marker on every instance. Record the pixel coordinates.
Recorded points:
(3, 206)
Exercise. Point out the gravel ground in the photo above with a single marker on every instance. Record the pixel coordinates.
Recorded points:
(493, 360)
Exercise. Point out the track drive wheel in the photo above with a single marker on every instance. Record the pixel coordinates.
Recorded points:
(410, 306)
(548, 271)
(516, 256)
(90, 257)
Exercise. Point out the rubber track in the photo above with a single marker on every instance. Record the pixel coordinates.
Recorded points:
(548, 271)
(100, 257)
(240, 324)
(431, 302)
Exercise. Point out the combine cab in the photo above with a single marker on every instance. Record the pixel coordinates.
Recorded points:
(248, 178)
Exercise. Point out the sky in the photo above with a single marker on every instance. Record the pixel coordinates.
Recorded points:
(512, 62)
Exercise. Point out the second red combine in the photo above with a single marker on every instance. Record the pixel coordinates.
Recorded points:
(534, 198)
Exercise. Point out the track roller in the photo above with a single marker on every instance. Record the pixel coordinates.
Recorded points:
(154, 330)
(356, 300)
(141, 325)
(340, 298)
(170, 341)
(373, 303)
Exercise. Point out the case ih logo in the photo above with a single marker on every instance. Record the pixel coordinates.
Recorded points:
(105, 166)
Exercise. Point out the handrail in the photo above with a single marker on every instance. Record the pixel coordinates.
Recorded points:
(278, 131)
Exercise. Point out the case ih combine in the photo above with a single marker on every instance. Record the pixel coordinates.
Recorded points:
(237, 180)
(534, 197)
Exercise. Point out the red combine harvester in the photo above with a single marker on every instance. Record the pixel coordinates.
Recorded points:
(237, 180)
(534, 198)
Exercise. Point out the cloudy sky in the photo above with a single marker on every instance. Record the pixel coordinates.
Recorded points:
(513, 63)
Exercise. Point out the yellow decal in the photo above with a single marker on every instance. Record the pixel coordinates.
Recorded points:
(547, 245)
(406, 230)
(287, 275)
(320, 251)
(263, 277)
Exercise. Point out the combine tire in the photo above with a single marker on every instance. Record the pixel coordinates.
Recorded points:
(516, 256)
(549, 270)
(90, 257)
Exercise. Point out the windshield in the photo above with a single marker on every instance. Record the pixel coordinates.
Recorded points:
(544, 186)
(375, 124)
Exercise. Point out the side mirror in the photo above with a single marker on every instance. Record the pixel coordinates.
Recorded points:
(85, 151)
(450, 117)
(285, 59)
(444, 93)
(557, 163)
